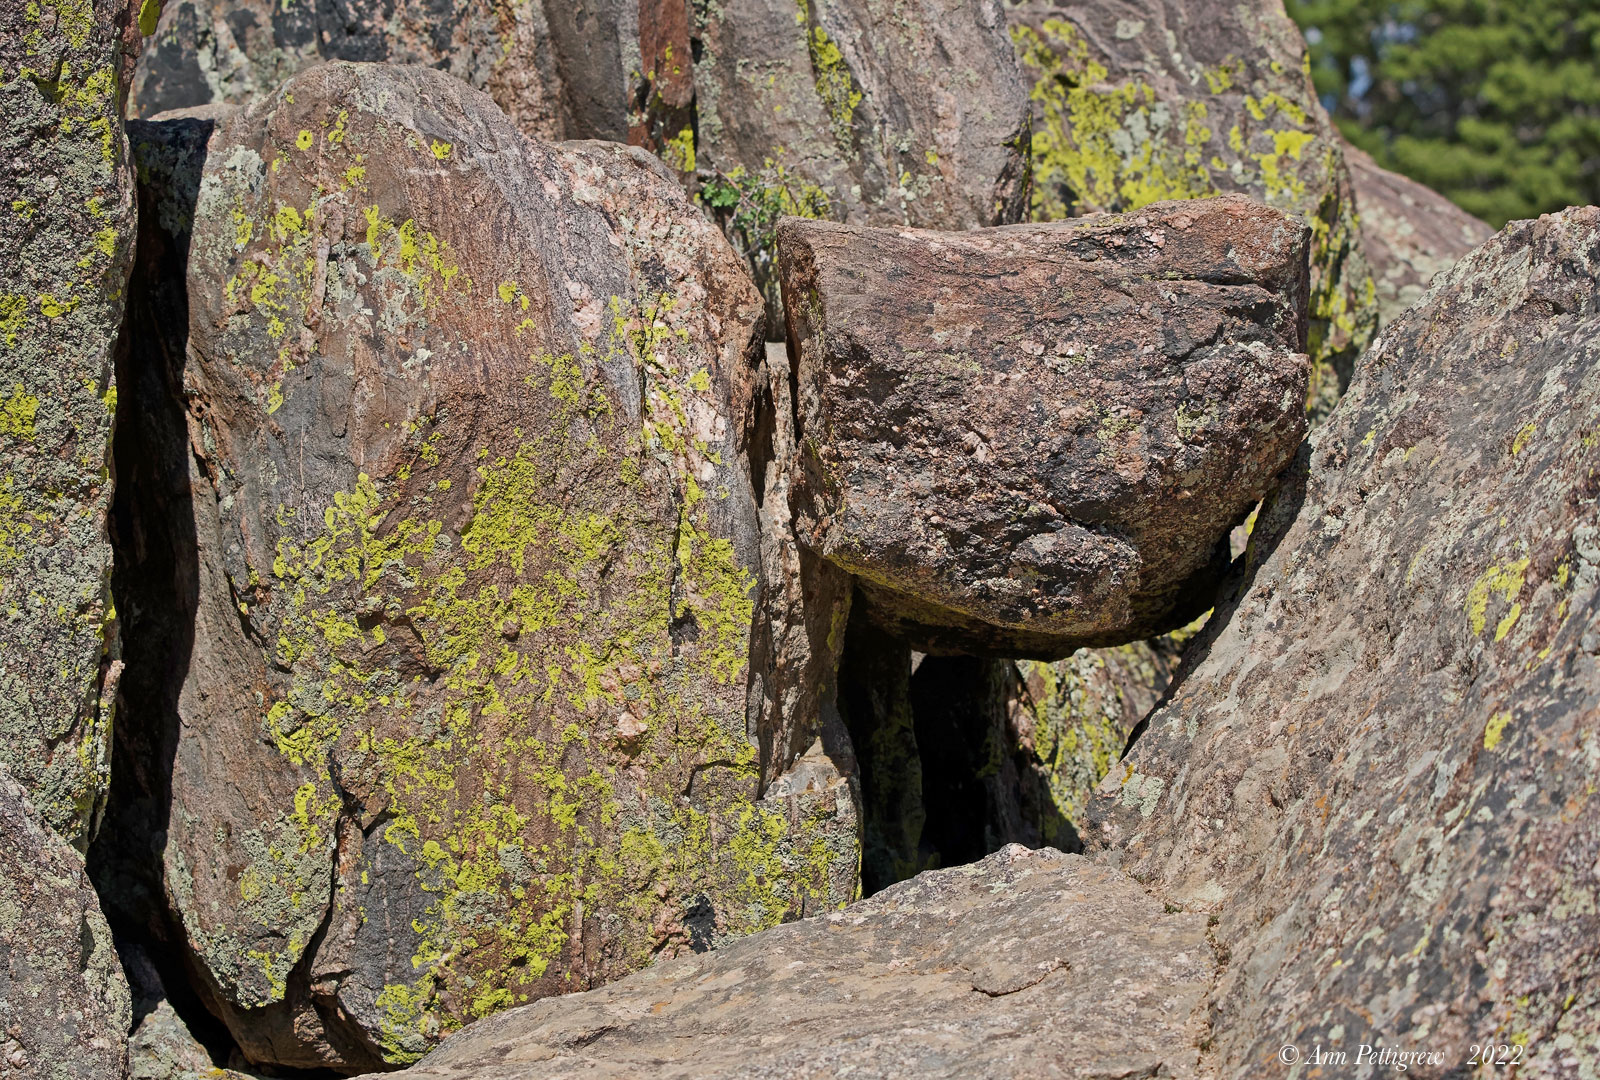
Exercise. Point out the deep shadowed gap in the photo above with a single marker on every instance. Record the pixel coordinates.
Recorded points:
(154, 583)
(944, 780)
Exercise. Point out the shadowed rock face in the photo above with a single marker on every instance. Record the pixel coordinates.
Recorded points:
(1409, 233)
(482, 697)
(1382, 773)
(1027, 964)
(66, 230)
(1030, 439)
(231, 51)
(1144, 100)
(64, 1010)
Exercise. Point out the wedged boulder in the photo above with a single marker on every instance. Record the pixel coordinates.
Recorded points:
(1382, 774)
(1029, 439)
(64, 1008)
(487, 691)
(1409, 232)
(66, 233)
(1027, 964)
(1145, 100)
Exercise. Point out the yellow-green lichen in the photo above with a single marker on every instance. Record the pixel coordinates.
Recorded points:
(548, 615)
(1504, 579)
(1111, 147)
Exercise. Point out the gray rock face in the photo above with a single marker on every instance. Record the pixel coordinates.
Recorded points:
(866, 111)
(232, 51)
(1409, 233)
(1029, 439)
(1027, 964)
(66, 231)
(1143, 100)
(490, 694)
(162, 1048)
(1382, 774)
(64, 1009)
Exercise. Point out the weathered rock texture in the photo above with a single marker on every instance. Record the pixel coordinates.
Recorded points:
(66, 229)
(866, 111)
(1033, 438)
(1028, 964)
(480, 696)
(1382, 775)
(1145, 100)
(1409, 233)
(161, 1048)
(214, 51)
(874, 113)
(63, 999)
(1067, 722)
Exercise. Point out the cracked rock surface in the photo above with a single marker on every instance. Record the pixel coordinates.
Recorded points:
(66, 233)
(1026, 964)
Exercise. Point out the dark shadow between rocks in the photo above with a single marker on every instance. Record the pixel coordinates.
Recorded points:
(154, 581)
(943, 782)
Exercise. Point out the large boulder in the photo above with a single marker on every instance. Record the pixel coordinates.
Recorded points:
(490, 686)
(1381, 776)
(1409, 233)
(64, 1007)
(1027, 964)
(1144, 100)
(1029, 439)
(66, 231)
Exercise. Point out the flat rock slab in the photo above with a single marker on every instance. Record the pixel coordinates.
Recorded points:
(1383, 774)
(64, 1007)
(1028, 439)
(1027, 964)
